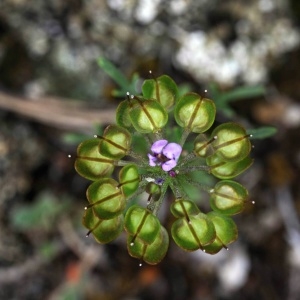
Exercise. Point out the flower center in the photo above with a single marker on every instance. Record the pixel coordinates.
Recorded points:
(164, 154)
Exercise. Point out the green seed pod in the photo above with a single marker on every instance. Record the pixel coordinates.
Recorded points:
(152, 253)
(106, 199)
(202, 146)
(182, 208)
(228, 197)
(154, 190)
(147, 116)
(226, 232)
(227, 170)
(129, 179)
(90, 164)
(115, 142)
(231, 142)
(122, 114)
(142, 224)
(195, 113)
(163, 89)
(193, 233)
(104, 231)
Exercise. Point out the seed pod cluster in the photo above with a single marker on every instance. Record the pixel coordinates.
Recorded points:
(121, 171)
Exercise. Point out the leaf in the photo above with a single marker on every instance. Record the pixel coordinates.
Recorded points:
(262, 132)
(242, 93)
(222, 99)
(124, 84)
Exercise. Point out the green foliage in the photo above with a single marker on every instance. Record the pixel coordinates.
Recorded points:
(124, 84)
(223, 99)
(40, 214)
(262, 132)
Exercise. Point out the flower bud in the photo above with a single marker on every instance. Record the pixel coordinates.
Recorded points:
(163, 89)
(193, 233)
(228, 197)
(129, 179)
(142, 224)
(147, 116)
(90, 163)
(104, 231)
(115, 142)
(195, 113)
(226, 232)
(231, 142)
(152, 253)
(106, 199)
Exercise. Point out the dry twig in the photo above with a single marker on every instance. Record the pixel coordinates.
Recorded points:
(57, 112)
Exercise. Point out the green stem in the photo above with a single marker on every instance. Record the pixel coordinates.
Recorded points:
(142, 161)
(184, 136)
(176, 189)
(158, 135)
(188, 169)
(159, 202)
(202, 186)
(186, 159)
(121, 163)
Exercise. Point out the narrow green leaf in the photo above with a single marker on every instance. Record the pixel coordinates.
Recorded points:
(262, 132)
(113, 72)
(242, 93)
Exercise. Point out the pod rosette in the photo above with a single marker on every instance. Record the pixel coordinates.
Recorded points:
(121, 171)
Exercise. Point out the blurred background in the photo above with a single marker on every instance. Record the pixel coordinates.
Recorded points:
(53, 94)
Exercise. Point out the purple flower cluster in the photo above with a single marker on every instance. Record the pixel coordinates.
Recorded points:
(164, 154)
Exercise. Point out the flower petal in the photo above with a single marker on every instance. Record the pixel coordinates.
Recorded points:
(157, 147)
(172, 151)
(152, 160)
(169, 165)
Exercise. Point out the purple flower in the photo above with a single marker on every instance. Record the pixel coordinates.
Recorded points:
(164, 154)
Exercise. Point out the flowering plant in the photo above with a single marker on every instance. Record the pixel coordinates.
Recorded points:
(163, 125)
